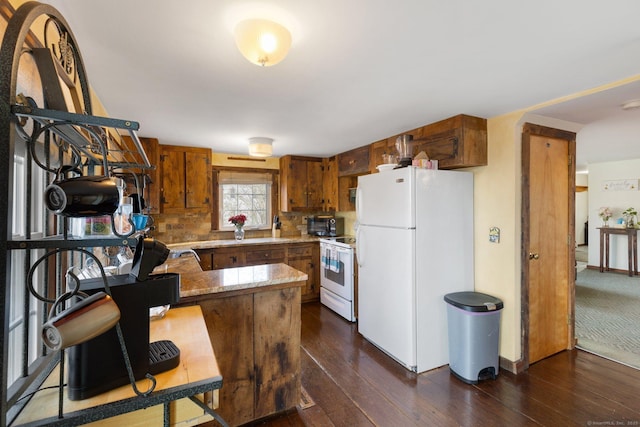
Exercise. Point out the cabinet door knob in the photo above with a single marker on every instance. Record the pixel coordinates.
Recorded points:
(534, 256)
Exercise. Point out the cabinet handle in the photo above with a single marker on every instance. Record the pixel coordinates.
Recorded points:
(234, 259)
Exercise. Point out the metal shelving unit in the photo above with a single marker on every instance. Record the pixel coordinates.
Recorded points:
(35, 119)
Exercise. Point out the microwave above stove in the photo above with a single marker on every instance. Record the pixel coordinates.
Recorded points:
(325, 225)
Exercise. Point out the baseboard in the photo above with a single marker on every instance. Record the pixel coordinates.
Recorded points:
(610, 270)
(516, 367)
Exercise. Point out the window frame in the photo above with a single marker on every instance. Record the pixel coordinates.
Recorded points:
(215, 175)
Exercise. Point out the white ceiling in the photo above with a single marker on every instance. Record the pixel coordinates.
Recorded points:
(358, 70)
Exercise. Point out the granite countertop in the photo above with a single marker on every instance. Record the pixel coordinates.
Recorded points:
(186, 263)
(232, 279)
(211, 244)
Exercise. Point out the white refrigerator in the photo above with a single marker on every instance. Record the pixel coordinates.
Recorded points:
(414, 245)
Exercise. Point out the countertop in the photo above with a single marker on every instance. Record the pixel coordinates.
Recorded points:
(198, 369)
(211, 244)
(239, 278)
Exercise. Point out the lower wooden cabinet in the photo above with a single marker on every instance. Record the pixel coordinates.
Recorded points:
(256, 340)
(301, 256)
(306, 257)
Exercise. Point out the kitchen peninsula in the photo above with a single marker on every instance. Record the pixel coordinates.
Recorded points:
(300, 252)
(252, 315)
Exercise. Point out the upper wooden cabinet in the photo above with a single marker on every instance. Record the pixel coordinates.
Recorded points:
(330, 184)
(301, 181)
(457, 142)
(185, 179)
(354, 162)
(378, 149)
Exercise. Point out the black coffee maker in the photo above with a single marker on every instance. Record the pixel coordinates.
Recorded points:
(98, 365)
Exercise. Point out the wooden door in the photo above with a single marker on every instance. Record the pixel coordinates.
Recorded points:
(330, 184)
(172, 179)
(548, 240)
(315, 194)
(297, 187)
(198, 181)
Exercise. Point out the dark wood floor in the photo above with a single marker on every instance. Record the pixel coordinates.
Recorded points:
(354, 384)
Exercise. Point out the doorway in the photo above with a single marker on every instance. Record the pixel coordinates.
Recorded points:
(548, 252)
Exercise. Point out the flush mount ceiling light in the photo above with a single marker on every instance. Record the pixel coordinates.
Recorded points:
(262, 42)
(260, 147)
(630, 105)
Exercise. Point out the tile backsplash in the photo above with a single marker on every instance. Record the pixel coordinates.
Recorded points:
(175, 228)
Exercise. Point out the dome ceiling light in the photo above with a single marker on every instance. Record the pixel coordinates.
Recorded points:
(631, 105)
(260, 147)
(262, 42)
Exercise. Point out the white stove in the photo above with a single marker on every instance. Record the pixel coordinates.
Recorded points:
(337, 275)
(342, 241)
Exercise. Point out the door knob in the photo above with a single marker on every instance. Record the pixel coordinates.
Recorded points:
(533, 256)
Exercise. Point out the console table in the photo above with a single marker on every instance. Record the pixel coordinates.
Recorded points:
(184, 395)
(632, 247)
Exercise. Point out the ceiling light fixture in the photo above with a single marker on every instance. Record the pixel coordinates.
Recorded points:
(630, 105)
(262, 42)
(260, 147)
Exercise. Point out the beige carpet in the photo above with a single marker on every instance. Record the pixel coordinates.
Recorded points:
(608, 315)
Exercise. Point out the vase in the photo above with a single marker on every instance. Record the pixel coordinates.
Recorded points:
(238, 233)
(630, 221)
(605, 222)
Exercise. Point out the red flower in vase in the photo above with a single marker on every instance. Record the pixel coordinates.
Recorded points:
(238, 220)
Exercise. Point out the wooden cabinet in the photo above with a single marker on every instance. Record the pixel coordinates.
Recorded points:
(185, 179)
(300, 183)
(269, 255)
(457, 142)
(330, 184)
(256, 340)
(306, 258)
(354, 162)
(228, 258)
(301, 256)
(345, 184)
(206, 258)
(378, 149)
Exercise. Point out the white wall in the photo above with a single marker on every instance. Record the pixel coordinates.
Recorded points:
(617, 201)
(582, 208)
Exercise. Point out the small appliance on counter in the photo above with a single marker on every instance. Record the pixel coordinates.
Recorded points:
(325, 226)
(98, 365)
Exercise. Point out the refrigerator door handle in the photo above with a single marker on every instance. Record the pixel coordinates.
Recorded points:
(358, 204)
(359, 246)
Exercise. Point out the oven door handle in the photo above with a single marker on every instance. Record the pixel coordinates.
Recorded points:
(344, 251)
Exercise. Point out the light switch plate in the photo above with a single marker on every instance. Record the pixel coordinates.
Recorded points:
(494, 235)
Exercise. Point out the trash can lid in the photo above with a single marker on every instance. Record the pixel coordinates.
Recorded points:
(474, 301)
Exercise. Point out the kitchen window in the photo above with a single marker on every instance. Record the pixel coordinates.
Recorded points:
(250, 192)
(24, 337)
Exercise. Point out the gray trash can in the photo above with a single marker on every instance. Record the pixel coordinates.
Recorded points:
(474, 331)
